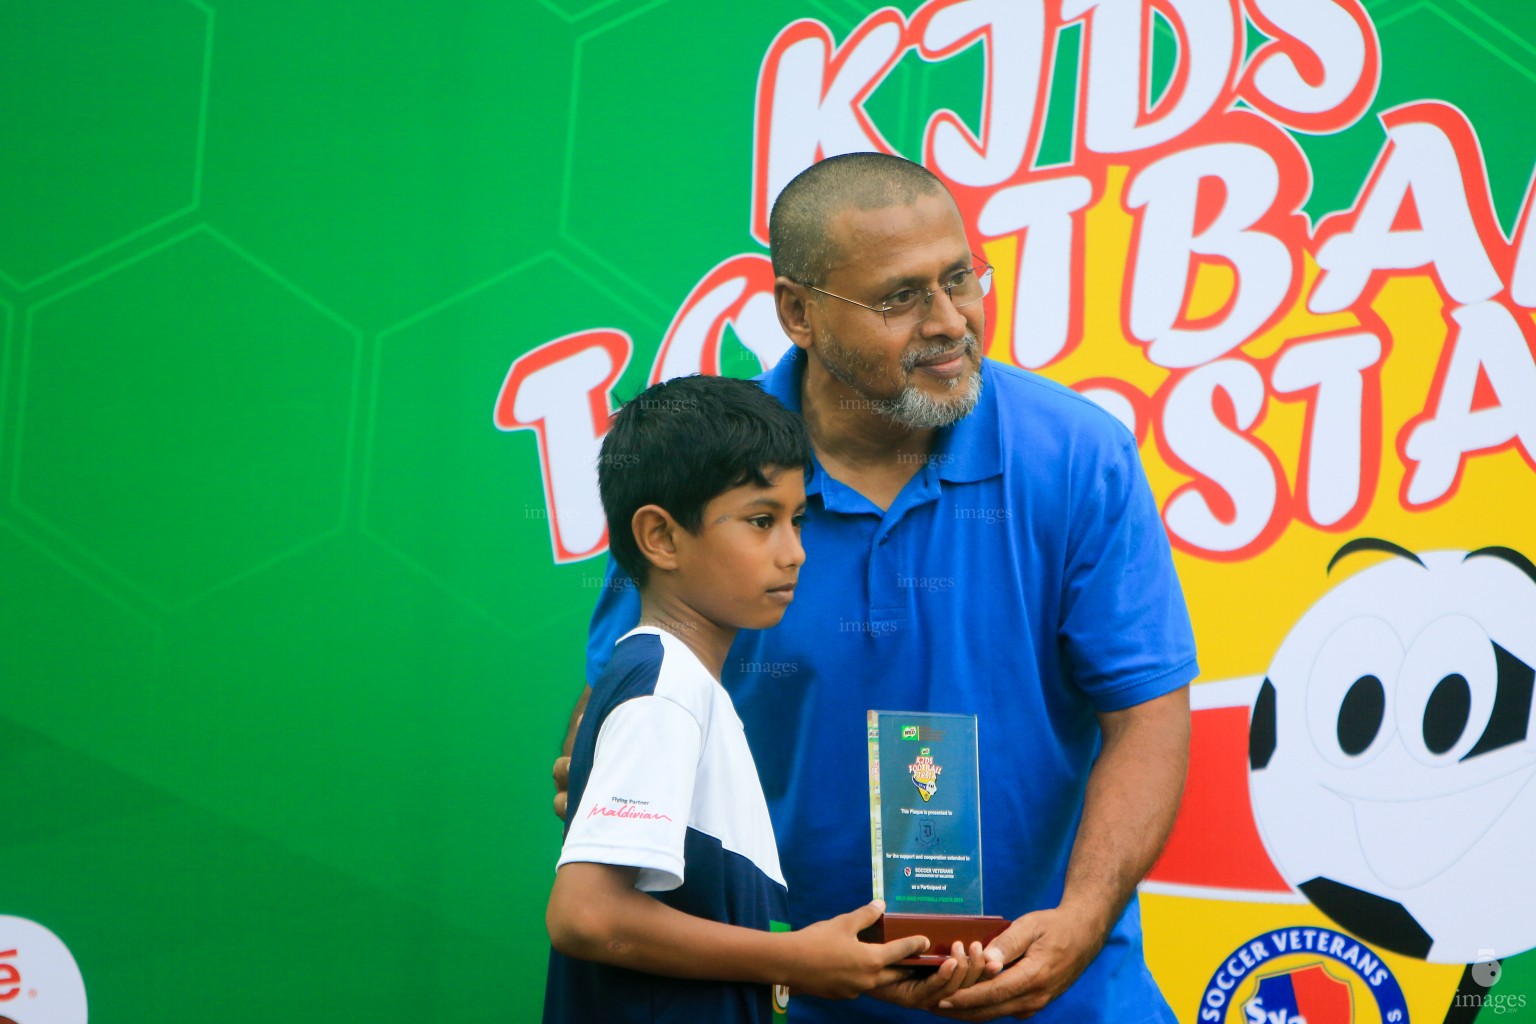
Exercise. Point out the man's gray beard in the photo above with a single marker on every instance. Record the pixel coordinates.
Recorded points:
(918, 411)
(913, 409)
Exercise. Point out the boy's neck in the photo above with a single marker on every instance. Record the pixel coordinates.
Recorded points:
(709, 641)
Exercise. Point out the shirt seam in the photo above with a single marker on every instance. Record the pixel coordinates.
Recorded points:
(1147, 680)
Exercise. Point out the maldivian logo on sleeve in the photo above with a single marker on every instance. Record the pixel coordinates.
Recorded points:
(39, 980)
(1303, 975)
(624, 807)
(925, 774)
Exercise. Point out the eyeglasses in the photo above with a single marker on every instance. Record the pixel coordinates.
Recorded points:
(911, 306)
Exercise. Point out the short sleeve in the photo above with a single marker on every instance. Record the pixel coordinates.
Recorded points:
(1125, 627)
(634, 810)
(617, 611)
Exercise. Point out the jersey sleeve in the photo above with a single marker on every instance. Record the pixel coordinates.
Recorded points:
(1124, 622)
(634, 810)
(617, 611)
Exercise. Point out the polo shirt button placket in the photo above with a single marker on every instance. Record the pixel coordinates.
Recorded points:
(887, 609)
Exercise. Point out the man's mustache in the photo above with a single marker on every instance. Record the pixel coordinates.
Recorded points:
(910, 360)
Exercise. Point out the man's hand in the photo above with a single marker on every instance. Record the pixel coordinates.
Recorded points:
(1045, 951)
(562, 770)
(925, 989)
(562, 776)
(1133, 795)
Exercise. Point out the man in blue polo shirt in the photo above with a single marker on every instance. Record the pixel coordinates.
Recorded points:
(982, 541)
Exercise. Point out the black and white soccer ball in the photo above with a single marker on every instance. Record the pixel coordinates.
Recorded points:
(1391, 753)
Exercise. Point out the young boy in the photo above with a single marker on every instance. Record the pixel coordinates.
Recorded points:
(668, 902)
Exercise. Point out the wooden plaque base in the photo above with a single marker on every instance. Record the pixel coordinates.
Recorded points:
(941, 930)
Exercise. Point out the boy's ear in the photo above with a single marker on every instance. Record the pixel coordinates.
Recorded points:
(655, 534)
(792, 300)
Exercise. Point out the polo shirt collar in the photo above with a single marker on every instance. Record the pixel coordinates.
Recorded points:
(969, 451)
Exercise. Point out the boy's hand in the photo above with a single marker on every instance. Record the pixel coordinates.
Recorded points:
(924, 990)
(832, 963)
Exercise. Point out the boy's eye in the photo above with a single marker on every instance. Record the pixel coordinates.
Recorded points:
(798, 520)
(762, 522)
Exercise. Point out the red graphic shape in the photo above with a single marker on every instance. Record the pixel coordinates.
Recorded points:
(1215, 841)
(1483, 395)
(1322, 998)
(1407, 218)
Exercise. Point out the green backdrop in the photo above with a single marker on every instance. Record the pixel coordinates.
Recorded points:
(285, 654)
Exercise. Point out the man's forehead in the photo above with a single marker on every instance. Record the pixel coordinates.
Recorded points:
(929, 225)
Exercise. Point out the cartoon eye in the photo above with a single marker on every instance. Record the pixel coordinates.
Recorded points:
(1360, 715)
(1349, 694)
(1450, 676)
(1445, 716)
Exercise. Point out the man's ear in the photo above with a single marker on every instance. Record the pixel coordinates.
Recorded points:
(792, 301)
(656, 535)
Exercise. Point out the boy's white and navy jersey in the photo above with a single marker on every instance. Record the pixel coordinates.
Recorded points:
(662, 780)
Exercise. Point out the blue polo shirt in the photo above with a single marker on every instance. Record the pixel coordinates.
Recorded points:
(1023, 575)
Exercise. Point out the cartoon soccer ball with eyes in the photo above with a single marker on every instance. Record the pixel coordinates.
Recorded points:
(1391, 753)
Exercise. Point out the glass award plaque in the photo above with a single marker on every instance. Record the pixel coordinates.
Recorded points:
(925, 831)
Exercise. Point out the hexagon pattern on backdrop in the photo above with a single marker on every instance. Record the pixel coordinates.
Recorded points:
(103, 126)
(161, 406)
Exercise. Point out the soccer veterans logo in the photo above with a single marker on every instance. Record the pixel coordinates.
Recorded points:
(1303, 975)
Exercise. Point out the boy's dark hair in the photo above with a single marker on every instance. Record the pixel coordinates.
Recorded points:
(680, 444)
